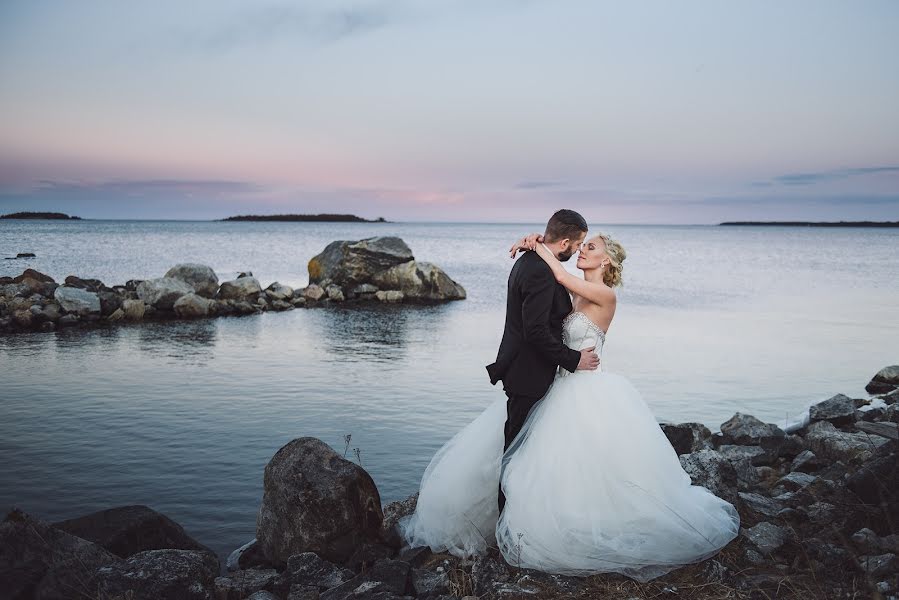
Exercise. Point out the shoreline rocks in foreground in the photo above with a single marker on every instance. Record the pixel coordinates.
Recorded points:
(819, 508)
(380, 269)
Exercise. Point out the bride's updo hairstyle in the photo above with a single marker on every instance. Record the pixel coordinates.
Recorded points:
(616, 253)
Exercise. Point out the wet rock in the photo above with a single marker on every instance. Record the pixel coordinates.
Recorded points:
(335, 293)
(162, 293)
(242, 289)
(348, 264)
(310, 570)
(420, 281)
(40, 561)
(279, 291)
(687, 437)
(886, 380)
(155, 574)
(713, 471)
(201, 278)
(747, 430)
(239, 584)
(77, 301)
(341, 508)
(390, 296)
(839, 410)
(134, 310)
(192, 306)
(127, 530)
(313, 293)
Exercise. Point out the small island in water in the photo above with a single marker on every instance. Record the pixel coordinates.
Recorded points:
(815, 223)
(324, 218)
(39, 215)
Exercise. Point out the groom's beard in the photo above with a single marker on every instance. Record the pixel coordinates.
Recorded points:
(564, 255)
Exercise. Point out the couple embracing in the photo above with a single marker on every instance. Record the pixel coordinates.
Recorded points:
(570, 473)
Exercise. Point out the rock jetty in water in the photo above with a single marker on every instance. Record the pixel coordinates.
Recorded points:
(380, 269)
(819, 507)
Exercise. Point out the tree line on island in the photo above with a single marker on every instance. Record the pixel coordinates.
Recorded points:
(320, 218)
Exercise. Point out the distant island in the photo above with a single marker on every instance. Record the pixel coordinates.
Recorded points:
(816, 223)
(39, 215)
(313, 218)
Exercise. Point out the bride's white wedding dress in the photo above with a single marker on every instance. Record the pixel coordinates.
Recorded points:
(591, 483)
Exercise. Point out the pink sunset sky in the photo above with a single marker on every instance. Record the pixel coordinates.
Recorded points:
(638, 112)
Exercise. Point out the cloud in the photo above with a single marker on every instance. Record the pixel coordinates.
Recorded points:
(537, 185)
(822, 176)
(264, 24)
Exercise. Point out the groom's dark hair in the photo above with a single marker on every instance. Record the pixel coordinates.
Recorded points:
(564, 224)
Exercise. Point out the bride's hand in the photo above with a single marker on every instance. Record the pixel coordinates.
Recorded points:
(526, 243)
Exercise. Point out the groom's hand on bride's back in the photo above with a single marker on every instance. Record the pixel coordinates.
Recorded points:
(589, 360)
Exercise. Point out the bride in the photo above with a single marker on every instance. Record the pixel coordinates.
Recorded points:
(592, 484)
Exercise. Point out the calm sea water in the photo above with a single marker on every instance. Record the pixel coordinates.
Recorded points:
(184, 416)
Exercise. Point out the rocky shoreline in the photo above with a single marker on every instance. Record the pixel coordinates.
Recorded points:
(380, 269)
(819, 510)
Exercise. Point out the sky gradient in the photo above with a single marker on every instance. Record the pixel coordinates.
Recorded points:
(637, 112)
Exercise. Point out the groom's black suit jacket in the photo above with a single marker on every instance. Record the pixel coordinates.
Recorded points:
(532, 346)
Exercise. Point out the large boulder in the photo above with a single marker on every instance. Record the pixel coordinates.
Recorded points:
(192, 305)
(314, 500)
(712, 471)
(420, 281)
(127, 530)
(162, 293)
(77, 300)
(747, 430)
(886, 380)
(240, 289)
(349, 263)
(40, 561)
(201, 278)
(828, 442)
(155, 574)
(133, 309)
(839, 410)
(33, 282)
(687, 437)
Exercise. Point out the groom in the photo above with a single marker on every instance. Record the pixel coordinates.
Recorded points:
(532, 348)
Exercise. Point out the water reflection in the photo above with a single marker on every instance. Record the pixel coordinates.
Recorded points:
(191, 342)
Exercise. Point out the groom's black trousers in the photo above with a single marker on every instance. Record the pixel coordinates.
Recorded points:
(517, 409)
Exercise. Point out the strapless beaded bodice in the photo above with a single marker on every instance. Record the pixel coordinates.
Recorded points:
(579, 332)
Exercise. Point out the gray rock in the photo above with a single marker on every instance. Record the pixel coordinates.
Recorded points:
(264, 595)
(313, 292)
(754, 454)
(162, 293)
(759, 506)
(67, 320)
(201, 278)
(155, 574)
(879, 566)
(134, 309)
(341, 508)
(839, 410)
(712, 471)
(420, 281)
(891, 397)
(487, 574)
(42, 562)
(192, 306)
(430, 583)
(282, 305)
(820, 512)
(796, 481)
(747, 430)
(350, 263)
(239, 584)
(298, 302)
(385, 576)
(335, 293)
(127, 530)
(828, 442)
(866, 540)
(242, 289)
(687, 437)
(77, 301)
(310, 570)
(805, 462)
(766, 537)
(390, 296)
(364, 289)
(886, 380)
(302, 592)
(279, 291)
(109, 302)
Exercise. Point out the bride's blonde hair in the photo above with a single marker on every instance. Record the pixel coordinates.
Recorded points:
(615, 250)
